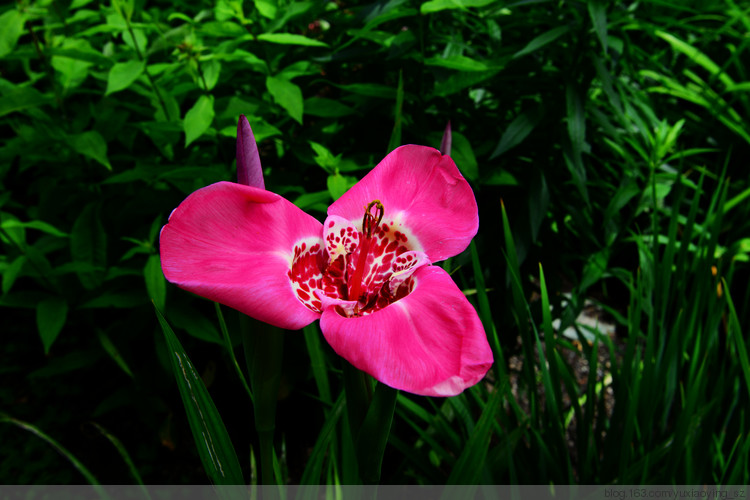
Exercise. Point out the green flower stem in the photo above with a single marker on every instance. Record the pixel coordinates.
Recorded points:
(358, 396)
(264, 346)
(370, 418)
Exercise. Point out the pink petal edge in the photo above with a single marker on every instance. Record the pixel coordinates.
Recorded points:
(234, 244)
(423, 191)
(430, 343)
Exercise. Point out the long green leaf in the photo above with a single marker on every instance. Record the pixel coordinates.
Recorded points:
(125, 457)
(90, 478)
(396, 134)
(471, 462)
(211, 438)
(373, 435)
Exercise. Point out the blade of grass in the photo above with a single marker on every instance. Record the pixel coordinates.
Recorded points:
(125, 457)
(90, 478)
(485, 314)
(373, 435)
(470, 464)
(264, 348)
(314, 467)
(317, 361)
(396, 134)
(737, 335)
(230, 350)
(211, 438)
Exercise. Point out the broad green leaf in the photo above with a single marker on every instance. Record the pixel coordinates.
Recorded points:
(326, 108)
(195, 323)
(11, 272)
(223, 29)
(517, 131)
(122, 75)
(542, 40)
(287, 95)
(463, 154)
(290, 39)
(88, 245)
(156, 284)
(462, 79)
(139, 43)
(339, 184)
(324, 158)
(211, 70)
(457, 62)
(111, 349)
(22, 98)
(11, 27)
(211, 438)
(34, 224)
(13, 230)
(438, 5)
(267, 8)
(598, 14)
(199, 118)
(91, 144)
(370, 90)
(71, 72)
(50, 319)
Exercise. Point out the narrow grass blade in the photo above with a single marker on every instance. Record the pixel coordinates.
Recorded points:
(739, 342)
(374, 433)
(90, 478)
(264, 349)
(230, 350)
(396, 134)
(125, 457)
(470, 464)
(317, 361)
(211, 438)
(485, 314)
(314, 467)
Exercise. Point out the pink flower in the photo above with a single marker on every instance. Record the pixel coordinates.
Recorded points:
(365, 272)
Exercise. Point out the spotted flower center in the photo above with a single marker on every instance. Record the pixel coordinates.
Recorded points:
(358, 269)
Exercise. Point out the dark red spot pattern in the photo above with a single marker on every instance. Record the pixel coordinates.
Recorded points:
(327, 268)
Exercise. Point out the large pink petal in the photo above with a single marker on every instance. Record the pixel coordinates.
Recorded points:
(431, 342)
(234, 244)
(424, 191)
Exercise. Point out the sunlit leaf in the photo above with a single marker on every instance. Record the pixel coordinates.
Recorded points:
(11, 27)
(198, 119)
(287, 95)
(50, 319)
(290, 39)
(122, 75)
(91, 144)
(211, 438)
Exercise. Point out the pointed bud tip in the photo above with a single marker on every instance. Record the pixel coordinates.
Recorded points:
(445, 144)
(249, 169)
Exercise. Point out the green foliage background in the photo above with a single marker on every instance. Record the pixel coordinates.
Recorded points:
(605, 141)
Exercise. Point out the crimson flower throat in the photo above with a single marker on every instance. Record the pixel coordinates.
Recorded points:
(356, 269)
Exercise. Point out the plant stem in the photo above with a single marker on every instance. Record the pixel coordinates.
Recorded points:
(264, 346)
